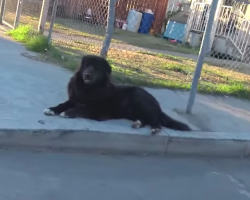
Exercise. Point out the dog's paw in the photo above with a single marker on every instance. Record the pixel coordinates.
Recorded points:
(68, 114)
(154, 131)
(49, 112)
(64, 115)
(137, 124)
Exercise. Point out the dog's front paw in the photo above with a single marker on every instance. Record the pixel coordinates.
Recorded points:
(137, 124)
(68, 114)
(49, 112)
(154, 131)
(64, 115)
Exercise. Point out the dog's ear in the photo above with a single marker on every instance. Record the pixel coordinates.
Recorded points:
(109, 69)
(78, 73)
(108, 75)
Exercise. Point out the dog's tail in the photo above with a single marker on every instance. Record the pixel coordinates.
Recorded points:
(168, 122)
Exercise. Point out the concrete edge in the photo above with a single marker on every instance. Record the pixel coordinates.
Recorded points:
(83, 140)
(172, 143)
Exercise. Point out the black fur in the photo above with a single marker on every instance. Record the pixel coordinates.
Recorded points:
(92, 95)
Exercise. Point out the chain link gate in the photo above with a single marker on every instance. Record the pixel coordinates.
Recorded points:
(8, 12)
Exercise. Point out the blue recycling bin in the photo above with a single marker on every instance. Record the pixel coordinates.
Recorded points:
(175, 30)
(146, 22)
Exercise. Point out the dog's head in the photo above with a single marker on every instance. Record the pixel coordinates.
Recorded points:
(95, 70)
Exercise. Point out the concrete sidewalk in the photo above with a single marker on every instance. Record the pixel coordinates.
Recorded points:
(28, 86)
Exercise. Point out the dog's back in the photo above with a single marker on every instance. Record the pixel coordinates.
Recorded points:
(144, 107)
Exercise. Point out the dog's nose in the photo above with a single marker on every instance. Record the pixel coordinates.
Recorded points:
(88, 75)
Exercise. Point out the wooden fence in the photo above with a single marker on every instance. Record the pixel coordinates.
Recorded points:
(158, 7)
(99, 8)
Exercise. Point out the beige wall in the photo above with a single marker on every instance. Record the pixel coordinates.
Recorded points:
(248, 17)
(248, 12)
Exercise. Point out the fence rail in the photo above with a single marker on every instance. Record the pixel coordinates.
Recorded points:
(224, 23)
(239, 31)
(200, 13)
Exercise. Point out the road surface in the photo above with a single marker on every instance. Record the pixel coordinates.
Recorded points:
(66, 176)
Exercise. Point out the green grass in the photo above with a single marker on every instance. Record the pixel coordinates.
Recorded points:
(150, 42)
(138, 76)
(139, 68)
(74, 28)
(30, 38)
(71, 27)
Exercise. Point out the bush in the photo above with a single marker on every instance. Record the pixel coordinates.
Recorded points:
(32, 39)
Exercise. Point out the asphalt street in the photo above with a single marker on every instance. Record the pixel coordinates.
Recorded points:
(28, 175)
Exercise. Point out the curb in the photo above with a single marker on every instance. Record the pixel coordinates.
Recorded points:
(194, 143)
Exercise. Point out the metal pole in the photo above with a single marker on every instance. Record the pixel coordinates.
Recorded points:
(52, 21)
(18, 13)
(203, 51)
(2, 11)
(43, 16)
(109, 29)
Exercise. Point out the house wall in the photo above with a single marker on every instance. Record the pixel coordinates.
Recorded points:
(248, 12)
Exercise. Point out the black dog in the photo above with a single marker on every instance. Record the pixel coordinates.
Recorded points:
(92, 95)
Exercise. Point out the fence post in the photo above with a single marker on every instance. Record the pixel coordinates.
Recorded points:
(53, 16)
(2, 11)
(203, 51)
(215, 24)
(43, 16)
(18, 13)
(109, 29)
(190, 20)
(189, 24)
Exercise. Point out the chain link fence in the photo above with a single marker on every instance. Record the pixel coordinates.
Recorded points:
(80, 28)
(154, 42)
(228, 50)
(146, 56)
(10, 12)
